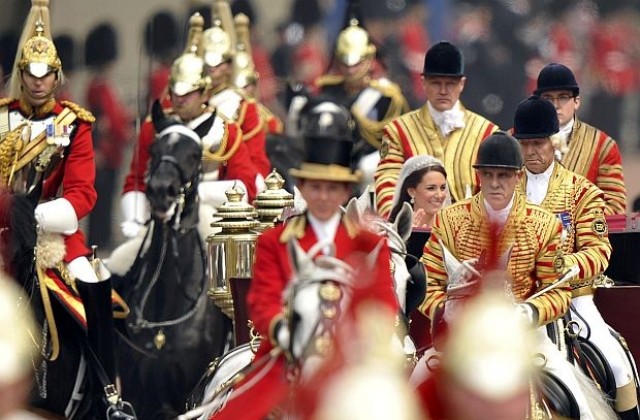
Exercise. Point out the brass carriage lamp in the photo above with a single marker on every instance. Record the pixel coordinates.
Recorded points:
(230, 251)
(271, 202)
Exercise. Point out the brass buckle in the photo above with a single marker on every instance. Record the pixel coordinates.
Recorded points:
(112, 394)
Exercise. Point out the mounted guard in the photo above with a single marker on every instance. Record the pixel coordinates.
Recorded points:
(47, 158)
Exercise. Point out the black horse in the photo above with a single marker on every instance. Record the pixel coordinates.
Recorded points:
(173, 329)
(65, 381)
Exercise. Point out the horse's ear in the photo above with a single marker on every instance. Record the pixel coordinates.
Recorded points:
(352, 211)
(451, 263)
(364, 201)
(372, 258)
(159, 119)
(503, 261)
(297, 256)
(404, 221)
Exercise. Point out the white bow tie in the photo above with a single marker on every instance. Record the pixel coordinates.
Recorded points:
(449, 120)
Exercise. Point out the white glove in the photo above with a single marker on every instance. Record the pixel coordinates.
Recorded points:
(135, 213)
(525, 312)
(461, 279)
(131, 229)
(56, 216)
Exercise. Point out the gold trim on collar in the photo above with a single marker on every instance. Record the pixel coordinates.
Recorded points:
(294, 228)
(43, 109)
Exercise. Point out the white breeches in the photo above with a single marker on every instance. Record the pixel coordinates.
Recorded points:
(602, 338)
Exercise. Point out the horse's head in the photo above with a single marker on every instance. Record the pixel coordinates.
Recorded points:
(174, 170)
(403, 268)
(320, 288)
(491, 273)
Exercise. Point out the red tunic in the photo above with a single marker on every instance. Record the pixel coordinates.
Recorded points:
(73, 178)
(234, 106)
(271, 276)
(237, 166)
(113, 121)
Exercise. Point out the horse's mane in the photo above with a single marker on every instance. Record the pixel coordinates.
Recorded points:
(19, 238)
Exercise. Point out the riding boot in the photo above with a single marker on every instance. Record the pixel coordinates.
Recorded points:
(626, 402)
(632, 414)
(96, 298)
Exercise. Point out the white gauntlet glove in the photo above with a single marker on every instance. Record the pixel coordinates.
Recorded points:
(56, 216)
(135, 213)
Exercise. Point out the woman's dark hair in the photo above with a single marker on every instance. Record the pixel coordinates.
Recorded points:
(412, 181)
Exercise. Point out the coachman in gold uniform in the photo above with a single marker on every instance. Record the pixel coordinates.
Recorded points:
(496, 221)
(580, 206)
(464, 228)
(584, 149)
(442, 128)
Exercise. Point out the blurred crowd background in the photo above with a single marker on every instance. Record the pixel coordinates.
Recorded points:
(505, 44)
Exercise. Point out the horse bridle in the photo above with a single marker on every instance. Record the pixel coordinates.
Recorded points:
(187, 186)
(331, 294)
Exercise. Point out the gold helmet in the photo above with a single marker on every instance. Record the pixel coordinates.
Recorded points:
(244, 72)
(36, 52)
(219, 41)
(39, 55)
(216, 45)
(353, 45)
(188, 74)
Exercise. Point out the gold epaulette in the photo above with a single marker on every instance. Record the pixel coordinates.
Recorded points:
(82, 113)
(329, 80)
(6, 101)
(294, 228)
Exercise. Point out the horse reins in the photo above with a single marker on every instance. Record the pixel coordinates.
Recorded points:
(140, 322)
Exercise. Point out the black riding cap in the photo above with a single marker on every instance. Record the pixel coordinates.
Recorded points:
(499, 150)
(535, 118)
(444, 59)
(556, 76)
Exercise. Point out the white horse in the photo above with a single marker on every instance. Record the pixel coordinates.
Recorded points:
(591, 401)
(312, 273)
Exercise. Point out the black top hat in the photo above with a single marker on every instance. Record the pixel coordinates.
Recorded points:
(556, 76)
(328, 135)
(535, 118)
(499, 150)
(101, 46)
(444, 59)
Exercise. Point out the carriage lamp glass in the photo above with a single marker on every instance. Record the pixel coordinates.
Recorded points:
(230, 252)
